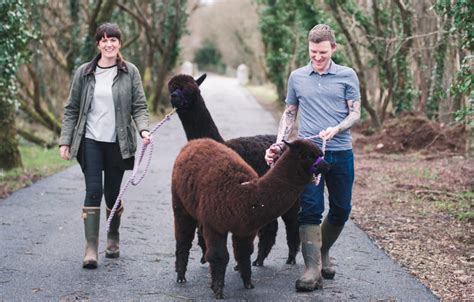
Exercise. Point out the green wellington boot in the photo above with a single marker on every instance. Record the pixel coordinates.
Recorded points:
(91, 216)
(113, 236)
(329, 235)
(310, 235)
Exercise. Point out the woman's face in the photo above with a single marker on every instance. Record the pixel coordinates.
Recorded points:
(109, 47)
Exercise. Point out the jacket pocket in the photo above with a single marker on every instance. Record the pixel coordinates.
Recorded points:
(131, 139)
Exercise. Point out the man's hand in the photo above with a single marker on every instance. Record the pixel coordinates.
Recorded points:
(328, 133)
(273, 153)
(287, 122)
(65, 151)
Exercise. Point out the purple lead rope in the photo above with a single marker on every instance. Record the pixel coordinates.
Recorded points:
(323, 148)
(138, 161)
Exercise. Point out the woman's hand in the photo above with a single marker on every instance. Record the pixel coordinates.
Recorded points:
(146, 136)
(65, 151)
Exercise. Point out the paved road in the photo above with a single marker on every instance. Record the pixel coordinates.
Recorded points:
(41, 237)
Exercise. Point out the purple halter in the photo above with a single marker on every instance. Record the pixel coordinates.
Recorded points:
(178, 92)
(312, 169)
(177, 99)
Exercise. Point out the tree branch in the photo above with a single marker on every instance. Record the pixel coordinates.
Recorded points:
(143, 22)
(53, 124)
(129, 42)
(35, 139)
(55, 54)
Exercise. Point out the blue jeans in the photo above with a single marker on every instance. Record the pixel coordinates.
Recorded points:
(95, 158)
(339, 180)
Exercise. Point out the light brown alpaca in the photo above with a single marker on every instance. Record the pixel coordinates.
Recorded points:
(213, 186)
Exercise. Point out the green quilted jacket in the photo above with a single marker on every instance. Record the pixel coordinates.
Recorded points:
(129, 101)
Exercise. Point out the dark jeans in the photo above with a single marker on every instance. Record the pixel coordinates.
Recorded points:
(339, 180)
(97, 157)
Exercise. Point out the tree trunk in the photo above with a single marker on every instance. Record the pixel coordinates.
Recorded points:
(469, 150)
(9, 153)
(148, 83)
(403, 72)
(160, 82)
(375, 120)
(437, 89)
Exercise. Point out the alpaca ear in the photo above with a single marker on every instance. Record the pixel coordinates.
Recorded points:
(201, 79)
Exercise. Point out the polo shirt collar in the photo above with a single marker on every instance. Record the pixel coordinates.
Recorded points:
(332, 68)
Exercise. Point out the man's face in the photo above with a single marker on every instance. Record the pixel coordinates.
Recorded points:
(320, 54)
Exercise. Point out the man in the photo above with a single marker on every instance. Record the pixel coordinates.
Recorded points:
(327, 96)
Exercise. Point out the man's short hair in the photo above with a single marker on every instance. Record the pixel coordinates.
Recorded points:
(321, 33)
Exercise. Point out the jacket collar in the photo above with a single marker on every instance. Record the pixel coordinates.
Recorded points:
(90, 68)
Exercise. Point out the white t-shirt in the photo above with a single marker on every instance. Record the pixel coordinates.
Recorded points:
(100, 125)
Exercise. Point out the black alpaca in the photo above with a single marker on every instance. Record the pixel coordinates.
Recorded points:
(198, 123)
(213, 186)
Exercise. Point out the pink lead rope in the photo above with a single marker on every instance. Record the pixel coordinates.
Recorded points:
(138, 161)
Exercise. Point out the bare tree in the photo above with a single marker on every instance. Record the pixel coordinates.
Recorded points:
(57, 53)
(163, 25)
(360, 66)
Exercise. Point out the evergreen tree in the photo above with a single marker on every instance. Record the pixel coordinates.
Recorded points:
(14, 38)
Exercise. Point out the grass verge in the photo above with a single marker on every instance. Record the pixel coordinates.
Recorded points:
(38, 162)
(267, 97)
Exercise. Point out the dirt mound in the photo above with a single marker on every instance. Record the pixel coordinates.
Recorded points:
(414, 132)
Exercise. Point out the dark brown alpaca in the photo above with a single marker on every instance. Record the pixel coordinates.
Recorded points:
(198, 123)
(213, 186)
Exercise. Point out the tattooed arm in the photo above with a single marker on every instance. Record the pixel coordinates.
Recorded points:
(352, 118)
(347, 123)
(287, 123)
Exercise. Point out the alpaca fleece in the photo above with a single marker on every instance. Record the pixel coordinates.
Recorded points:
(213, 185)
(198, 123)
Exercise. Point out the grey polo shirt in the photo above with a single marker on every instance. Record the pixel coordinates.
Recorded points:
(322, 101)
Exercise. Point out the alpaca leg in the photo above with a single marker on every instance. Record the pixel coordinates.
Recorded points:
(184, 228)
(243, 248)
(202, 244)
(218, 258)
(184, 234)
(266, 239)
(292, 232)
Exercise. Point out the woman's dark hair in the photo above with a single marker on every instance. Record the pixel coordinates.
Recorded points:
(111, 30)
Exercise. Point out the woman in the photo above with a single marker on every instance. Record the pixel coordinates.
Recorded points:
(106, 95)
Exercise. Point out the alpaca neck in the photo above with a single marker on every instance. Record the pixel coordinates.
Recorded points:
(198, 123)
(279, 189)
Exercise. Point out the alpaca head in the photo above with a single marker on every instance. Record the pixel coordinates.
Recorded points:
(309, 156)
(184, 90)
